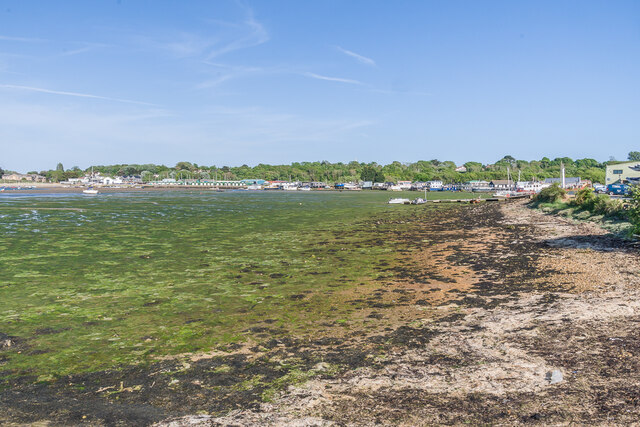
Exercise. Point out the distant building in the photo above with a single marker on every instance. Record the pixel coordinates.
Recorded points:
(111, 181)
(418, 185)
(83, 180)
(461, 169)
(477, 185)
(569, 182)
(31, 177)
(405, 185)
(134, 179)
(501, 184)
(623, 173)
(254, 181)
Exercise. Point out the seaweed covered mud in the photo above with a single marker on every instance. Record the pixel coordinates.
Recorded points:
(486, 313)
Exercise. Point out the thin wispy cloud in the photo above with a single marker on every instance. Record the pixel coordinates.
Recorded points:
(256, 35)
(225, 72)
(76, 94)
(333, 79)
(21, 39)
(186, 45)
(85, 48)
(226, 37)
(358, 57)
(208, 84)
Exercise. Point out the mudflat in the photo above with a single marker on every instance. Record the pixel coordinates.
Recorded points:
(488, 313)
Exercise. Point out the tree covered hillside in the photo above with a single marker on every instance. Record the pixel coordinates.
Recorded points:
(423, 170)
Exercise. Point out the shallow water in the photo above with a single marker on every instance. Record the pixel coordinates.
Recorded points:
(90, 282)
(119, 277)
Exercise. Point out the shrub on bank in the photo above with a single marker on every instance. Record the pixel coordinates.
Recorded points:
(585, 199)
(622, 218)
(585, 205)
(605, 205)
(634, 211)
(551, 194)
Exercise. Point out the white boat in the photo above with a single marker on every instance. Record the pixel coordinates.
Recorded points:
(505, 193)
(399, 201)
(531, 187)
(254, 187)
(304, 189)
(90, 191)
(419, 201)
(394, 188)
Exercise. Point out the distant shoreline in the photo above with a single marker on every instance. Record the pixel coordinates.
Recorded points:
(57, 188)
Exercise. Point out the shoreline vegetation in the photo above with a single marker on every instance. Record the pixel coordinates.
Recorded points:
(354, 171)
(487, 313)
(618, 216)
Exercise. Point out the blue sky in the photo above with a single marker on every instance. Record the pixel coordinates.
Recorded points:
(231, 82)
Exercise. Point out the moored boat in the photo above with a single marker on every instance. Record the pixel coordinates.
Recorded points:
(399, 201)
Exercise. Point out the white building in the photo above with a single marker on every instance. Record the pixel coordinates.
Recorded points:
(107, 180)
(405, 185)
(435, 185)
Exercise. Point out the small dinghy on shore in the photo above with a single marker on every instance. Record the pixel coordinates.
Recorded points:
(399, 201)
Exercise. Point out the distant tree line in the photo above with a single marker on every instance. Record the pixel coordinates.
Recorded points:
(324, 171)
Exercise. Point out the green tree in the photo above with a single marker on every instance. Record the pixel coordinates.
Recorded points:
(59, 167)
(634, 156)
(55, 176)
(508, 159)
(473, 166)
(128, 170)
(184, 166)
(368, 173)
(146, 176)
